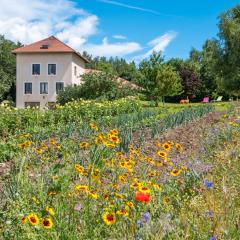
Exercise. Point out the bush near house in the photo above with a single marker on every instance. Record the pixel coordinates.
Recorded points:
(98, 85)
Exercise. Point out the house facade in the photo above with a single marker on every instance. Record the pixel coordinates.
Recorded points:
(43, 69)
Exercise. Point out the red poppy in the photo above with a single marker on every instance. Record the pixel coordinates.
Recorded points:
(143, 197)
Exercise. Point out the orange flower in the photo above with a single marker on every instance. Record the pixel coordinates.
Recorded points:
(143, 197)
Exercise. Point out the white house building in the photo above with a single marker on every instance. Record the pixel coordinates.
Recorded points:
(44, 68)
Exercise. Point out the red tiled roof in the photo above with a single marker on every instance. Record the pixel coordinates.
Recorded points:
(53, 44)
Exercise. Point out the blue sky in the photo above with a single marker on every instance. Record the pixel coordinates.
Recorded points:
(125, 28)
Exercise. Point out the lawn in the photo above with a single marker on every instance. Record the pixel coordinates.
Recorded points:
(120, 170)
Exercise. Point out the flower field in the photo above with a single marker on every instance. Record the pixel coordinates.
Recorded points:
(120, 170)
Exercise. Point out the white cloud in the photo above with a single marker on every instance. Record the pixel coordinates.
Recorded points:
(158, 44)
(112, 49)
(28, 21)
(121, 37)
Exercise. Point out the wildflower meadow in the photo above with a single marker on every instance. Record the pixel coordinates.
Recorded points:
(120, 170)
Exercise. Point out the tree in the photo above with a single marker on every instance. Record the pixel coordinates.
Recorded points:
(209, 68)
(7, 67)
(149, 69)
(168, 83)
(191, 82)
(229, 57)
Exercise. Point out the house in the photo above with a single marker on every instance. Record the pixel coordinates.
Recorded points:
(44, 68)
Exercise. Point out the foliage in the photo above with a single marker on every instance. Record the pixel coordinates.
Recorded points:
(118, 66)
(7, 67)
(12, 119)
(191, 82)
(97, 85)
(168, 83)
(149, 69)
(229, 33)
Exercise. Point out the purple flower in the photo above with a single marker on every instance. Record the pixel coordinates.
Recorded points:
(210, 213)
(208, 184)
(213, 238)
(78, 207)
(146, 217)
(140, 223)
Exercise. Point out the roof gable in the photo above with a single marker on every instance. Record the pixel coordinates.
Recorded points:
(48, 45)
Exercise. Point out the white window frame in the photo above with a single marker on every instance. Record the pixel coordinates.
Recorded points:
(40, 88)
(51, 75)
(32, 70)
(56, 85)
(24, 88)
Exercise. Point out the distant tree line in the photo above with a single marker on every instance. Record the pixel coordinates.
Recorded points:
(214, 70)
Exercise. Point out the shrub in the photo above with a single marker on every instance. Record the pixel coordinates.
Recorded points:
(97, 85)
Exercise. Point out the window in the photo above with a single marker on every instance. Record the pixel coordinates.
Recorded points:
(75, 71)
(32, 104)
(43, 88)
(28, 88)
(59, 86)
(52, 69)
(36, 69)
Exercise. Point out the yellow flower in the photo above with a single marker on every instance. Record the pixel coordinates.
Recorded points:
(114, 132)
(157, 186)
(162, 154)
(109, 218)
(175, 172)
(124, 211)
(166, 146)
(50, 211)
(79, 168)
(179, 147)
(83, 145)
(33, 219)
(47, 223)
(96, 173)
(130, 204)
(166, 200)
(24, 220)
(81, 188)
(94, 126)
(135, 185)
(119, 196)
(93, 194)
(144, 189)
(109, 145)
(184, 168)
(158, 163)
(35, 200)
(113, 138)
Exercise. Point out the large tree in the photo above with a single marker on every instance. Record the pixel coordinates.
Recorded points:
(229, 57)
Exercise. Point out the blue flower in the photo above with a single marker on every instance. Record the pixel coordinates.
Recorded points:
(210, 213)
(213, 238)
(146, 217)
(140, 223)
(208, 184)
